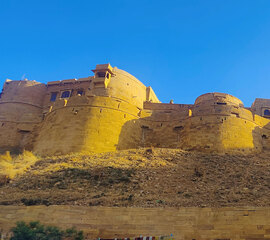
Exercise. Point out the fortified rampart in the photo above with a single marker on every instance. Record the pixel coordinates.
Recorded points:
(113, 110)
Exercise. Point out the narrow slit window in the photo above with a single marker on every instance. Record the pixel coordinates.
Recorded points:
(53, 96)
(177, 128)
(221, 103)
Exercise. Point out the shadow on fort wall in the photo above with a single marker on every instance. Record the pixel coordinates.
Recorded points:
(130, 135)
(21, 111)
(261, 138)
(145, 132)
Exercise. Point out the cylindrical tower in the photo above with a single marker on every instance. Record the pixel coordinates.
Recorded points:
(103, 119)
(220, 123)
(20, 111)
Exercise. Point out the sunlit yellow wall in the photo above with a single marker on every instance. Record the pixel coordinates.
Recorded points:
(86, 124)
(119, 112)
(124, 86)
(208, 126)
(237, 133)
(104, 119)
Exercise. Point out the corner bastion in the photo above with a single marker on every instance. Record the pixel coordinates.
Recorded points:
(113, 110)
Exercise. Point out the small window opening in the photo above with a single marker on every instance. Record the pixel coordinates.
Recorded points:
(221, 103)
(23, 131)
(80, 92)
(53, 96)
(65, 94)
(201, 118)
(264, 136)
(266, 112)
(101, 74)
(100, 110)
(161, 124)
(107, 75)
(124, 115)
(3, 124)
(178, 128)
(145, 127)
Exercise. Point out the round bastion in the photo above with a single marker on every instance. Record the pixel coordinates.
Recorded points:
(218, 99)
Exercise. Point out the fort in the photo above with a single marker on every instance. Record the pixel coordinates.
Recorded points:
(112, 110)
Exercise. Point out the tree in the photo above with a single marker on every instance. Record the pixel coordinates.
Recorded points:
(37, 231)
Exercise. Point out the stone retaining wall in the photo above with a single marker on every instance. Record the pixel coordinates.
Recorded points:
(247, 223)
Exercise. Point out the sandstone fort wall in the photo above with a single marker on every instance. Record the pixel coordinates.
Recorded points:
(113, 110)
(20, 111)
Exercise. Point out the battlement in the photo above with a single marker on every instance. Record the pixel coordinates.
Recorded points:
(113, 110)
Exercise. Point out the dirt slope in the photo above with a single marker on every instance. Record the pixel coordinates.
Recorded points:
(144, 178)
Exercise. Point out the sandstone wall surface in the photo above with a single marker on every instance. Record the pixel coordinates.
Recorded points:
(245, 223)
(20, 113)
(260, 105)
(116, 111)
(60, 86)
(86, 124)
(206, 126)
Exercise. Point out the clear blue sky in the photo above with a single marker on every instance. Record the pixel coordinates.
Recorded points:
(181, 48)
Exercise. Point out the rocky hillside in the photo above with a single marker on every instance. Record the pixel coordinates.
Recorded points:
(144, 178)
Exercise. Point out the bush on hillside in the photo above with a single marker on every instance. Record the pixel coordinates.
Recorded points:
(13, 165)
(37, 231)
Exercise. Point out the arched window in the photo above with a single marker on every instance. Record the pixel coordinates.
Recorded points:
(65, 94)
(266, 112)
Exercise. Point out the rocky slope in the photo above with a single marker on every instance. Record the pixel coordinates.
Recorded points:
(144, 178)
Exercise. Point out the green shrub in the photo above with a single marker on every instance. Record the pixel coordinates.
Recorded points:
(37, 231)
